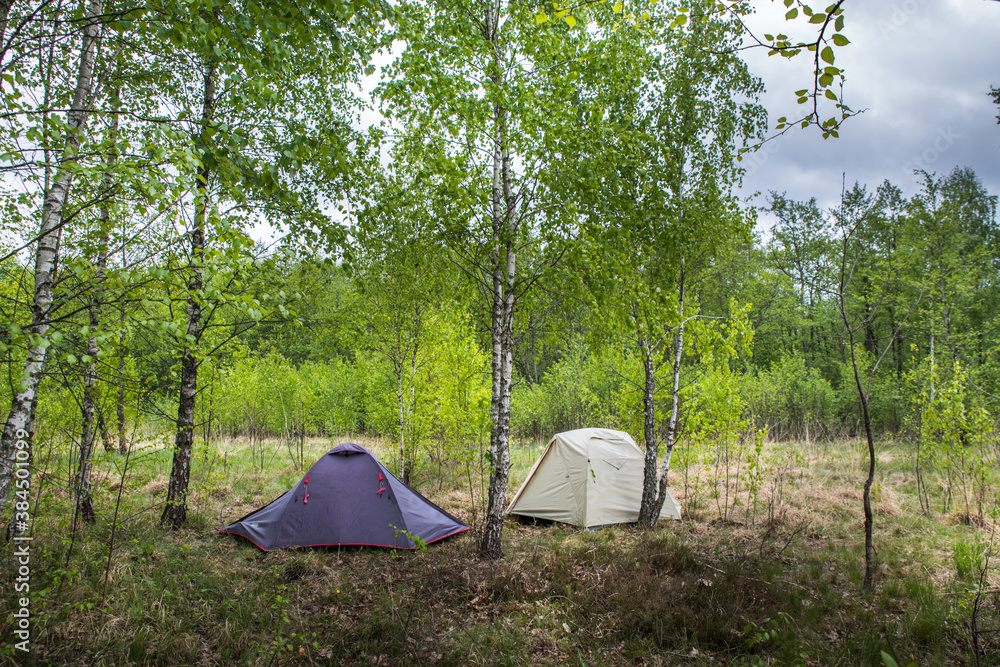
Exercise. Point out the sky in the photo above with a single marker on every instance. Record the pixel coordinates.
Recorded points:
(921, 70)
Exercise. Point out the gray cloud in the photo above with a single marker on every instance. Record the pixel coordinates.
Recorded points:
(921, 70)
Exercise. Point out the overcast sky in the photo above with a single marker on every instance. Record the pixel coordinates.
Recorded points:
(922, 69)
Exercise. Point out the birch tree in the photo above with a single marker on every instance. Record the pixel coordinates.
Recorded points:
(664, 209)
(856, 317)
(488, 95)
(19, 427)
(269, 137)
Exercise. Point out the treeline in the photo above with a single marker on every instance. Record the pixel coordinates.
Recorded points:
(925, 291)
(334, 363)
(352, 356)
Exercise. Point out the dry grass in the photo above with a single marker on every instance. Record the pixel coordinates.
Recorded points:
(776, 583)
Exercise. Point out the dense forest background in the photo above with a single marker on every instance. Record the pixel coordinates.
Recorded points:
(380, 350)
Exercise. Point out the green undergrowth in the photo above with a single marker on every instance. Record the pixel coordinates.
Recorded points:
(782, 588)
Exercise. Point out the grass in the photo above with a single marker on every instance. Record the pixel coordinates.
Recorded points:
(780, 584)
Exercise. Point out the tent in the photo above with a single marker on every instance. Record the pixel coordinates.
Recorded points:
(588, 477)
(347, 498)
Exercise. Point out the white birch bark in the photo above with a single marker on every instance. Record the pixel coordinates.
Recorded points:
(503, 262)
(175, 511)
(647, 506)
(20, 419)
(675, 401)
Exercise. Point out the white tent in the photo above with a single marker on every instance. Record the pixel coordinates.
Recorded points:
(588, 477)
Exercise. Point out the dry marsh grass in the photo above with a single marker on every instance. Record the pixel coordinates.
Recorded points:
(777, 582)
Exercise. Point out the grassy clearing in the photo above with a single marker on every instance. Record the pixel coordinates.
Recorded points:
(776, 583)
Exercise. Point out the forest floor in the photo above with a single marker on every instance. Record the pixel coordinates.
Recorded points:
(769, 577)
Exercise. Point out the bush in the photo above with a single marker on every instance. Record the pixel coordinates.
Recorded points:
(582, 389)
(792, 400)
(269, 396)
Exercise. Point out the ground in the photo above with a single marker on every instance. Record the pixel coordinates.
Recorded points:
(769, 575)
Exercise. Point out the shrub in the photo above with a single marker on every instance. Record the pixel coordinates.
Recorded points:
(794, 401)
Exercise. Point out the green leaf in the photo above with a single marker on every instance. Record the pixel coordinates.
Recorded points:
(541, 18)
(792, 13)
(831, 95)
(888, 661)
(617, 8)
(570, 21)
(827, 55)
(840, 40)
(817, 18)
(838, 25)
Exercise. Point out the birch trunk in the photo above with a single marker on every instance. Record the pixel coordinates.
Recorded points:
(175, 512)
(650, 520)
(503, 310)
(648, 506)
(869, 579)
(675, 401)
(20, 419)
(84, 503)
(867, 497)
(502, 314)
(408, 468)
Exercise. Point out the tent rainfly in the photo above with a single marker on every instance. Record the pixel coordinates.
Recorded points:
(588, 477)
(347, 498)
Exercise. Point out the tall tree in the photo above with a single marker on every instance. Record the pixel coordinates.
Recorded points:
(485, 95)
(19, 424)
(175, 509)
(858, 308)
(663, 209)
(270, 133)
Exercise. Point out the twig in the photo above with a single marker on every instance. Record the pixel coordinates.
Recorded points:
(802, 526)
(761, 581)
(114, 526)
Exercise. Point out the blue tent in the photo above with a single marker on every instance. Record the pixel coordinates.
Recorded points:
(347, 498)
